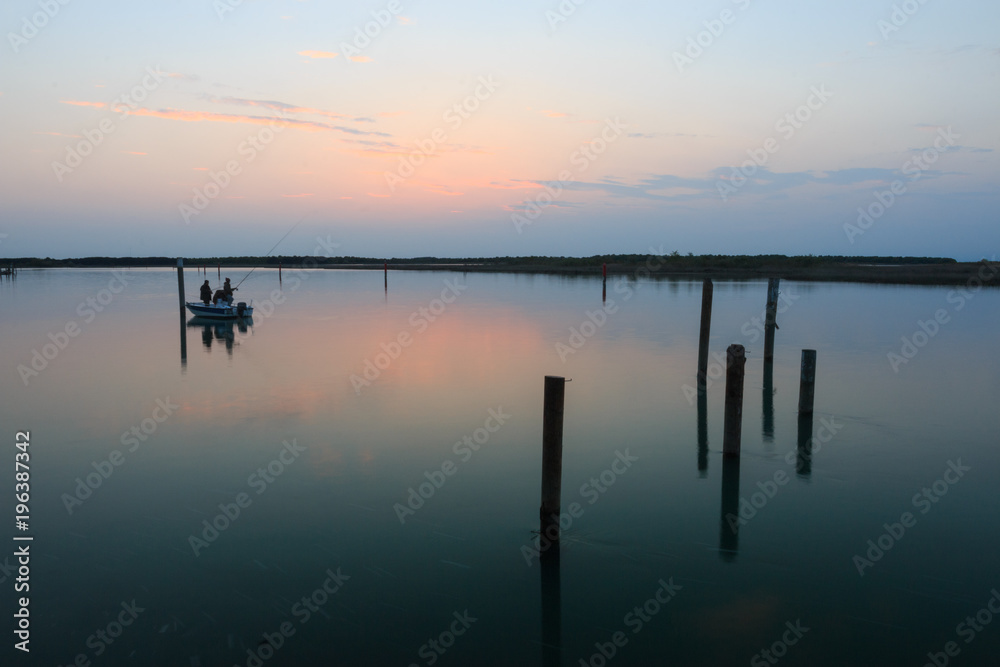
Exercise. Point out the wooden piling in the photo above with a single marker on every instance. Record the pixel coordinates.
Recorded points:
(729, 519)
(180, 282)
(807, 382)
(220, 271)
(735, 367)
(279, 272)
(706, 326)
(770, 317)
(552, 440)
(767, 403)
(702, 431)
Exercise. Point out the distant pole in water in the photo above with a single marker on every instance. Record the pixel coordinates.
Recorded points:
(279, 272)
(807, 382)
(735, 366)
(604, 271)
(552, 441)
(604, 291)
(220, 271)
(770, 318)
(706, 326)
(180, 283)
(385, 273)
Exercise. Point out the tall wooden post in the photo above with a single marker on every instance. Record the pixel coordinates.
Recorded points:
(735, 366)
(180, 282)
(767, 404)
(706, 326)
(770, 318)
(807, 382)
(552, 441)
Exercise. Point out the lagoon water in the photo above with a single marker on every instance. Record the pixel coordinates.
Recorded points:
(873, 551)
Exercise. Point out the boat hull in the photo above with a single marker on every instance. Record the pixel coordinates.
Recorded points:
(223, 312)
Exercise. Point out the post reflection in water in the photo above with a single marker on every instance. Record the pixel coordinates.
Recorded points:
(803, 461)
(767, 413)
(702, 428)
(184, 344)
(729, 527)
(551, 607)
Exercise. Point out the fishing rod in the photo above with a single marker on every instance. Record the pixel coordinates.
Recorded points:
(272, 249)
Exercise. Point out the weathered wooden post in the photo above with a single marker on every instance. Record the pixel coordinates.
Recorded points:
(220, 270)
(552, 437)
(706, 326)
(385, 274)
(770, 318)
(180, 282)
(807, 382)
(735, 367)
(279, 273)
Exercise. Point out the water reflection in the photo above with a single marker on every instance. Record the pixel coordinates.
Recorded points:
(702, 429)
(729, 527)
(803, 460)
(767, 404)
(551, 607)
(221, 332)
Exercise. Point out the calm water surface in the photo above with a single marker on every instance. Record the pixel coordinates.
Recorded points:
(326, 473)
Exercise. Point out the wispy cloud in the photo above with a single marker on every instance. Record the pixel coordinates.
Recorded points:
(303, 194)
(80, 103)
(318, 54)
(360, 59)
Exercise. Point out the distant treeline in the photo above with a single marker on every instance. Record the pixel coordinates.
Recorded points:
(673, 260)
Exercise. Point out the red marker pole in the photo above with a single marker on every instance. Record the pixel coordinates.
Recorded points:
(604, 271)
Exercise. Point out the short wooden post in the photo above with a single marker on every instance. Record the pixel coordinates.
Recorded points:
(180, 282)
(706, 326)
(220, 271)
(770, 318)
(552, 440)
(807, 382)
(735, 366)
(279, 272)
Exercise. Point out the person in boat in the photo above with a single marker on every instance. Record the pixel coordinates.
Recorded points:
(228, 290)
(206, 293)
(219, 297)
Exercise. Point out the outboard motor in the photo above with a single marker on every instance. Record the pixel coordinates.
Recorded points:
(241, 308)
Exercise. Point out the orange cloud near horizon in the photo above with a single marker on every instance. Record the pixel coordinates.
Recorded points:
(318, 54)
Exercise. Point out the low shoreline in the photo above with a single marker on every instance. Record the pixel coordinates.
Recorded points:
(906, 272)
(959, 273)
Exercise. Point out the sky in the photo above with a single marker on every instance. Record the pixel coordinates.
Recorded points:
(415, 128)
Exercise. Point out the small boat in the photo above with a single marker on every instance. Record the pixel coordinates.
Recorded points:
(223, 311)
